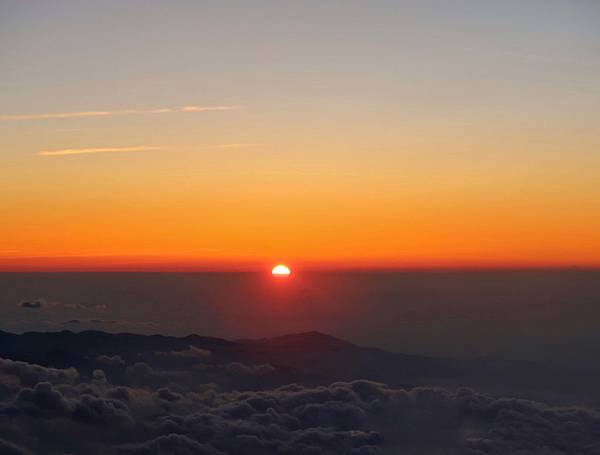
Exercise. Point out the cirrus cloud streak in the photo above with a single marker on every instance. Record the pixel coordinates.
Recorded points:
(83, 151)
(104, 113)
(139, 148)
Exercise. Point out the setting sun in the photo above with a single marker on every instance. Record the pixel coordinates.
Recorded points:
(281, 270)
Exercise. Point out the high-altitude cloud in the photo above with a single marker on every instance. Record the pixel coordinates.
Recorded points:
(83, 151)
(112, 113)
(139, 148)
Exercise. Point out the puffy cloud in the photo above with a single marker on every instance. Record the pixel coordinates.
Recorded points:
(159, 412)
(104, 411)
(46, 401)
(111, 361)
(331, 414)
(31, 374)
(118, 393)
(166, 394)
(42, 401)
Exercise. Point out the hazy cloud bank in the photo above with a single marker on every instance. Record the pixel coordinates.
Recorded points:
(43, 304)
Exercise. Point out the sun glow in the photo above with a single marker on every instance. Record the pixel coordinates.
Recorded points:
(281, 271)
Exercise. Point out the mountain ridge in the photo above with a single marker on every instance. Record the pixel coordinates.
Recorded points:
(307, 357)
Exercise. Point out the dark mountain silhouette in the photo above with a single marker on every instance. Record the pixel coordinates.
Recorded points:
(308, 358)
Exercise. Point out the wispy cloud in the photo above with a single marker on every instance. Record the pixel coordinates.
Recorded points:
(236, 146)
(64, 152)
(140, 148)
(86, 114)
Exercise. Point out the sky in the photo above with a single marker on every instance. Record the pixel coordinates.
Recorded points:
(349, 133)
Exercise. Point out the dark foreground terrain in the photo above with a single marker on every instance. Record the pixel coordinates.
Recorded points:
(98, 393)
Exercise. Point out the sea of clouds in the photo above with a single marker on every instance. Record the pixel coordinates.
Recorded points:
(190, 408)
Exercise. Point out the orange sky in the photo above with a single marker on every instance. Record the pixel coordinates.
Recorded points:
(414, 144)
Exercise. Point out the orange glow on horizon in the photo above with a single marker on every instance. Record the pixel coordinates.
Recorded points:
(183, 264)
(344, 223)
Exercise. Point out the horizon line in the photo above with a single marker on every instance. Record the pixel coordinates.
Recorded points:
(60, 265)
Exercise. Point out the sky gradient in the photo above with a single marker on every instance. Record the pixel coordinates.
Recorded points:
(229, 134)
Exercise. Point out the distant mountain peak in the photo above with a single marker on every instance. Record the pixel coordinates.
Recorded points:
(310, 338)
